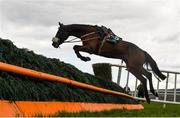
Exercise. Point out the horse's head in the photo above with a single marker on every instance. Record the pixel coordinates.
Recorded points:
(60, 36)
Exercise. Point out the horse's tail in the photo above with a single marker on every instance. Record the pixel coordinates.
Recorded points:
(154, 66)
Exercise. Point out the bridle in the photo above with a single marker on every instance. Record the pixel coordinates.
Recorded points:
(88, 39)
(83, 36)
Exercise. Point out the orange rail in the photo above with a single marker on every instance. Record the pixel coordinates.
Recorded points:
(45, 76)
(31, 108)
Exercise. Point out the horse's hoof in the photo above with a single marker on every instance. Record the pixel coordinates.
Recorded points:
(88, 59)
(85, 59)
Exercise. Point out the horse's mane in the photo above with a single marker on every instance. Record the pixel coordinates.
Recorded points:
(80, 29)
(81, 25)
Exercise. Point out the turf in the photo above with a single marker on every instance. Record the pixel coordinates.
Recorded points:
(150, 110)
(16, 87)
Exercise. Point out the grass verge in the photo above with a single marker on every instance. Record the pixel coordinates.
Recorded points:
(150, 110)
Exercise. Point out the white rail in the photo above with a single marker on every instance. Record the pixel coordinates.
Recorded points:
(160, 101)
(166, 92)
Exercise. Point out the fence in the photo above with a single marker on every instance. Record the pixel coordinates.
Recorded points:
(29, 108)
(161, 92)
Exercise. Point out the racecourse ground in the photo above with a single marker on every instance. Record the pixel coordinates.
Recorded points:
(150, 110)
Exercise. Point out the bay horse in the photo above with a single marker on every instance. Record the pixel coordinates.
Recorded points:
(92, 43)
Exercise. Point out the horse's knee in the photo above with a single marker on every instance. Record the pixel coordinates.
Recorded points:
(90, 50)
(75, 47)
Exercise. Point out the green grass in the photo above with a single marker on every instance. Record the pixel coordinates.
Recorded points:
(150, 110)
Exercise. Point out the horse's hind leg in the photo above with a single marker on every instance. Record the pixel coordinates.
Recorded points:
(149, 77)
(139, 76)
(78, 48)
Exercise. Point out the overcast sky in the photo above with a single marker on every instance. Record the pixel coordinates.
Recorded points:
(153, 25)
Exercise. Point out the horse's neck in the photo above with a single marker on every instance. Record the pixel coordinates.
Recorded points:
(77, 30)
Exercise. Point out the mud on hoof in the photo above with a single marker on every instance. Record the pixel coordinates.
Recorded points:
(85, 59)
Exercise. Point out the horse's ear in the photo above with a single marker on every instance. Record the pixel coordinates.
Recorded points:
(60, 24)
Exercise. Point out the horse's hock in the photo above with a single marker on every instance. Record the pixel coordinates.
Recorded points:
(102, 70)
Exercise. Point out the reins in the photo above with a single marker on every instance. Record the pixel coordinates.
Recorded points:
(73, 40)
(88, 39)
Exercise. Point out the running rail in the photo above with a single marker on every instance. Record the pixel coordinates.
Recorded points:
(49, 77)
(166, 93)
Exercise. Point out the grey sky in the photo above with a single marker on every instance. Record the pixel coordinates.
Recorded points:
(153, 25)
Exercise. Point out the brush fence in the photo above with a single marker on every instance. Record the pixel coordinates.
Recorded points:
(29, 108)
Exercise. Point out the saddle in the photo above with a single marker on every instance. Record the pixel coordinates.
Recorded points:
(106, 35)
(109, 36)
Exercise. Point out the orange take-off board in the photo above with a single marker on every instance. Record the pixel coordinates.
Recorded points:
(33, 108)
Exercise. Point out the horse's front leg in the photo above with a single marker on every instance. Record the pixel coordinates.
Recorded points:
(78, 48)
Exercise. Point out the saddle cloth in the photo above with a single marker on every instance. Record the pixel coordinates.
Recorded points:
(113, 39)
(109, 36)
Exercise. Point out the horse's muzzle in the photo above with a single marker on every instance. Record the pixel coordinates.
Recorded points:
(55, 45)
(55, 42)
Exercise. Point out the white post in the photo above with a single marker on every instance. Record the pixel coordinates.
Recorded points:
(165, 94)
(157, 89)
(127, 81)
(135, 94)
(175, 80)
(119, 73)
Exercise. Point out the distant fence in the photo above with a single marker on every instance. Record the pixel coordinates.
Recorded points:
(173, 93)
